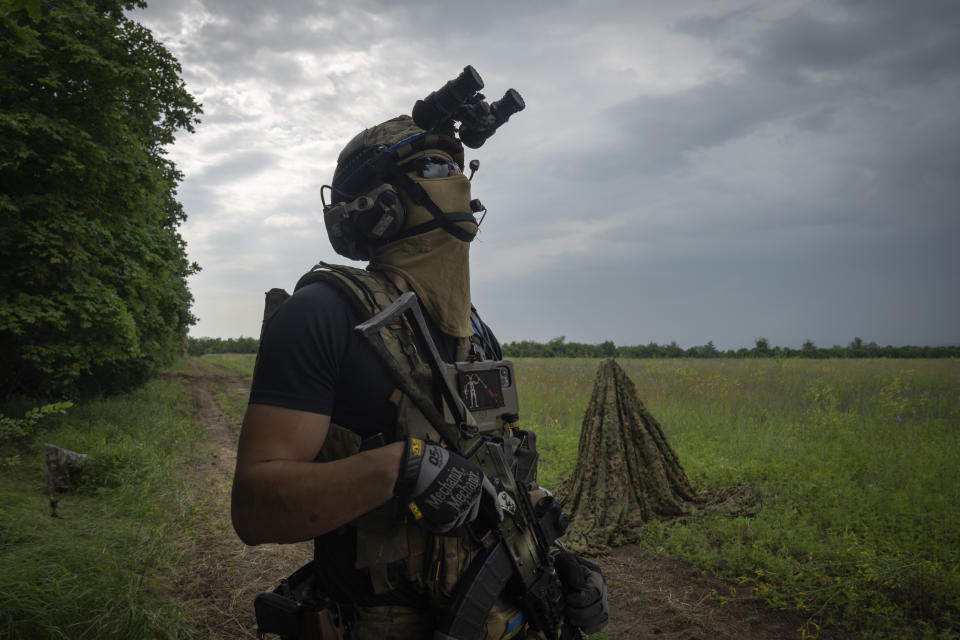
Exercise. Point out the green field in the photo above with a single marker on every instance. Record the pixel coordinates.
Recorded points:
(857, 463)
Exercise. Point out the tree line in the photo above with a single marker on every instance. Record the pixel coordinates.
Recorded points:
(200, 346)
(93, 291)
(857, 348)
(560, 348)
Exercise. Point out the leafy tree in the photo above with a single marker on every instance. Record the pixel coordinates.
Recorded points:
(856, 347)
(93, 292)
(762, 348)
(605, 349)
(673, 350)
(705, 351)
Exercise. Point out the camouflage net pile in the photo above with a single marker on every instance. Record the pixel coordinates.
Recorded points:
(626, 472)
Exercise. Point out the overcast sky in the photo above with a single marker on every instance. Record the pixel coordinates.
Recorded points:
(689, 171)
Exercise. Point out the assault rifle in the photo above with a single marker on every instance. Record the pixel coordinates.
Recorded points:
(515, 560)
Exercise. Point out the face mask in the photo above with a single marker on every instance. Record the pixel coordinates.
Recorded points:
(451, 195)
(436, 263)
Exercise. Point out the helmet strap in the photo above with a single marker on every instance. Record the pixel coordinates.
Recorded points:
(446, 221)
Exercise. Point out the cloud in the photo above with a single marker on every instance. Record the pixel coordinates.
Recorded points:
(701, 170)
(235, 168)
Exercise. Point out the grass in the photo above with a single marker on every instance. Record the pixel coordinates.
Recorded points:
(236, 362)
(233, 404)
(108, 566)
(857, 462)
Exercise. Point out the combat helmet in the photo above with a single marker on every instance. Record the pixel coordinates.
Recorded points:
(365, 209)
(371, 181)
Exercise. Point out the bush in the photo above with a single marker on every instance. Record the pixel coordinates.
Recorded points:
(15, 431)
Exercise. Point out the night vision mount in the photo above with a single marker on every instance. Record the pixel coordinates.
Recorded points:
(459, 100)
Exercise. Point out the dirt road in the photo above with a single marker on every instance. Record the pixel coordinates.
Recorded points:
(229, 574)
(650, 597)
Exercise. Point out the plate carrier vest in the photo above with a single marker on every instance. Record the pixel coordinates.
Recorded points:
(390, 549)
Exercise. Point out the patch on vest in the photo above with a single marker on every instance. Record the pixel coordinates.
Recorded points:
(483, 390)
(507, 502)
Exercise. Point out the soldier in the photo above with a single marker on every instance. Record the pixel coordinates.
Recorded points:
(332, 449)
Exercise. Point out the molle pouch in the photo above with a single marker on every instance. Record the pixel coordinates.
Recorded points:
(505, 621)
(296, 611)
(381, 545)
(277, 614)
(292, 621)
(525, 457)
(272, 301)
(453, 557)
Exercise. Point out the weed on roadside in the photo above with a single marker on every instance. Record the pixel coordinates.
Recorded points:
(101, 562)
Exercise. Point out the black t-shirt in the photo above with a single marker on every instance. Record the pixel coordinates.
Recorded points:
(312, 360)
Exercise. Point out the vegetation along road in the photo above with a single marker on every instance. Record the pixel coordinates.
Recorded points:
(857, 464)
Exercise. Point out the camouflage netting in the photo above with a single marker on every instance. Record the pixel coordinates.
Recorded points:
(626, 472)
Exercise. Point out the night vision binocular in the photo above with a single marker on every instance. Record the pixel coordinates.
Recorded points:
(459, 100)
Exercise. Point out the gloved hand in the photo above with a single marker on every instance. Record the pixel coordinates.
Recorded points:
(439, 487)
(584, 592)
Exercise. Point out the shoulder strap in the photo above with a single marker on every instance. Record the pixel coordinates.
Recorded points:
(369, 291)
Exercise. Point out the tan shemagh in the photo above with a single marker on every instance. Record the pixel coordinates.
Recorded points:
(435, 263)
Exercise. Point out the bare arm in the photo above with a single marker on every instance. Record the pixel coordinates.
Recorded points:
(281, 495)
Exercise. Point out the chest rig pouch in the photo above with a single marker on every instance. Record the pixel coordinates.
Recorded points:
(390, 550)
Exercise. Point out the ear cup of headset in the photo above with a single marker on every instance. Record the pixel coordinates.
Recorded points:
(383, 219)
(379, 219)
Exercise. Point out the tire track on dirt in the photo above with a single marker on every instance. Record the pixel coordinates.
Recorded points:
(228, 574)
(657, 597)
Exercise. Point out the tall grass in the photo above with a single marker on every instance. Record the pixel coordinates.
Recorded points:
(237, 362)
(857, 462)
(108, 566)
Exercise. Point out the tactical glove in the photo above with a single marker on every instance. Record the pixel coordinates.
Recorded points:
(439, 487)
(584, 592)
